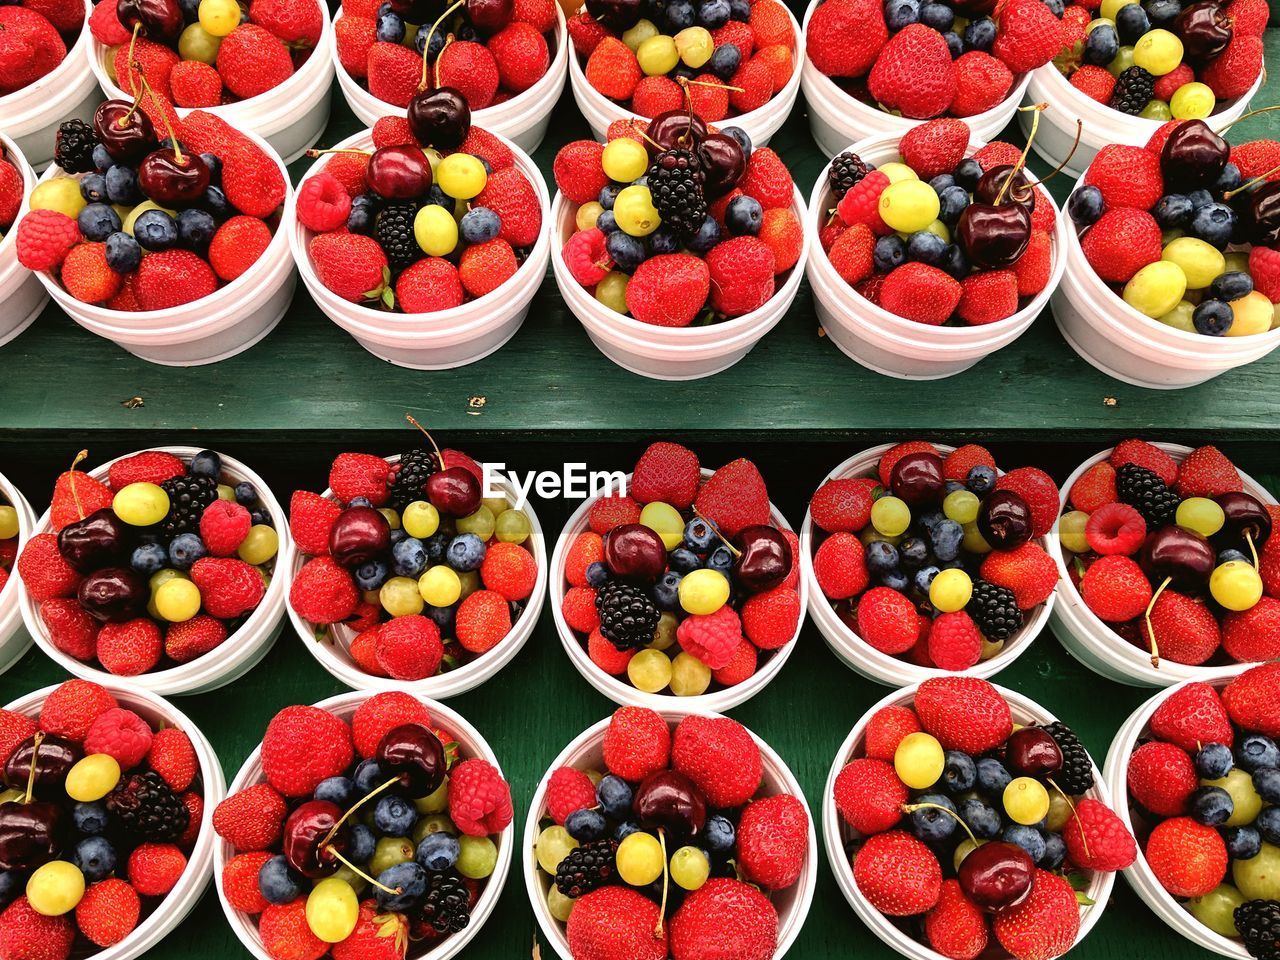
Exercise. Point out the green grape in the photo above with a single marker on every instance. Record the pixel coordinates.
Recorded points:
(909, 205)
(1158, 52)
(639, 859)
(634, 210)
(649, 671)
(470, 583)
(1156, 288)
(332, 910)
(1156, 110)
(665, 634)
(481, 523)
(690, 677)
(695, 46)
(559, 905)
(1237, 586)
(436, 802)
(1252, 313)
(420, 519)
(1216, 909)
(973, 540)
(1071, 531)
(92, 777)
(219, 17)
(963, 849)
(1199, 261)
(642, 31)
(703, 591)
(1097, 22)
(587, 215)
(890, 516)
(1236, 260)
(1192, 101)
(918, 760)
(197, 43)
(869, 534)
(897, 171)
(389, 852)
(512, 526)
(400, 597)
(1026, 800)
(961, 506)
(594, 775)
(8, 523)
(436, 823)
(8, 796)
(1258, 878)
(690, 868)
(1180, 317)
(1200, 514)
(63, 195)
(1110, 8)
(990, 648)
(1245, 801)
(477, 856)
(461, 176)
(950, 590)
(260, 544)
(940, 229)
(663, 519)
(552, 846)
(612, 291)
(657, 56)
(625, 159)
(440, 586)
(1059, 813)
(435, 231)
(1123, 59)
(349, 877)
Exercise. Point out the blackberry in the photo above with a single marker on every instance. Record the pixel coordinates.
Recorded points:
(146, 809)
(416, 468)
(1076, 775)
(188, 496)
(675, 181)
(995, 610)
(447, 904)
(1259, 924)
(1133, 90)
(394, 232)
(846, 170)
(628, 617)
(1143, 490)
(586, 868)
(73, 148)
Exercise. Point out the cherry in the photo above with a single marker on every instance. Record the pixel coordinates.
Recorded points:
(31, 834)
(633, 551)
(617, 15)
(114, 594)
(415, 755)
(417, 11)
(1033, 753)
(1193, 156)
(1262, 215)
(359, 535)
(305, 832)
(126, 133)
(673, 129)
(994, 237)
(399, 172)
(668, 800)
(1019, 191)
(996, 876)
(53, 757)
(172, 178)
(99, 539)
(1205, 30)
(454, 491)
(440, 118)
(723, 163)
(159, 20)
(917, 479)
(764, 558)
(1182, 556)
(1245, 519)
(1004, 520)
(490, 16)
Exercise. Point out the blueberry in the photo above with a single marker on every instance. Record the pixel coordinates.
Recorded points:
(980, 817)
(1214, 761)
(719, 835)
(951, 203)
(367, 776)
(952, 486)
(1213, 223)
(954, 262)
(195, 229)
(1267, 782)
(1131, 23)
(955, 45)
(608, 194)
(1226, 556)
(744, 216)
(93, 188)
(624, 830)
(437, 197)
(149, 558)
(938, 16)
(927, 521)
(185, 550)
(102, 161)
(408, 558)
(214, 163)
(946, 538)
(442, 617)
(895, 580)
(337, 790)
(681, 560)
(206, 463)
(155, 230)
(899, 14)
(931, 824)
(394, 816)
(678, 15)
(1172, 210)
(122, 186)
(408, 878)
(1200, 198)
(390, 27)
(992, 777)
(1028, 838)
(628, 252)
(1056, 7)
(614, 795)
(438, 40)
(89, 819)
(700, 535)
(1101, 46)
(926, 247)
(743, 138)
(11, 884)
(713, 14)
(1055, 851)
(720, 559)
(740, 10)
(437, 546)
(363, 210)
(1162, 13)
(246, 493)
(438, 851)
(881, 557)
(924, 577)
(372, 574)
(913, 552)
(95, 857)
(1213, 318)
(666, 592)
(467, 31)
(278, 883)
(123, 253)
(466, 552)
(1243, 843)
(725, 61)
(479, 225)
(1268, 824)
(980, 34)
(1211, 806)
(889, 252)
(1086, 206)
(1231, 285)
(705, 237)
(960, 772)
(586, 825)
(967, 173)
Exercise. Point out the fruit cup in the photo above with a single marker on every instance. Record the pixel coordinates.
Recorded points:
(21, 292)
(838, 620)
(897, 346)
(789, 888)
(31, 114)
(1127, 658)
(291, 115)
(1171, 315)
(522, 117)
(161, 913)
(701, 687)
(245, 639)
(869, 779)
(14, 639)
(465, 746)
(1168, 774)
(332, 643)
(431, 339)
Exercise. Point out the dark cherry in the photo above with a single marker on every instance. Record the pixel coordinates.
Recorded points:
(160, 19)
(454, 491)
(723, 162)
(415, 755)
(675, 128)
(400, 172)
(304, 831)
(618, 15)
(418, 11)
(1020, 190)
(359, 535)
(1004, 520)
(993, 237)
(670, 801)
(1033, 753)
(1262, 214)
(440, 118)
(917, 479)
(633, 551)
(54, 759)
(99, 539)
(1193, 156)
(1204, 29)
(1246, 519)
(764, 558)
(1181, 555)
(172, 180)
(114, 594)
(996, 876)
(490, 16)
(126, 133)
(974, 8)
(31, 834)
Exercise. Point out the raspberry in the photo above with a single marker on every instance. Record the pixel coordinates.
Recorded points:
(769, 619)
(509, 569)
(382, 713)
(122, 734)
(954, 641)
(45, 237)
(713, 638)
(637, 743)
(1116, 528)
(69, 711)
(568, 790)
(223, 527)
(483, 620)
(479, 799)
(251, 819)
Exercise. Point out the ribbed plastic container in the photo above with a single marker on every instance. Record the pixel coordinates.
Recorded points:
(669, 353)
(1094, 643)
(892, 345)
(333, 653)
(1101, 124)
(865, 659)
(291, 117)
(179, 901)
(586, 752)
(837, 119)
(31, 116)
(470, 745)
(523, 119)
(760, 124)
(213, 328)
(1162, 903)
(837, 834)
(618, 689)
(14, 639)
(232, 658)
(20, 292)
(446, 338)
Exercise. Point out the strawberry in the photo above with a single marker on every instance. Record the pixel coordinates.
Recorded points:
(655, 95)
(741, 271)
(1115, 589)
(669, 290)
(616, 923)
(1045, 924)
(1097, 839)
(615, 510)
(469, 67)
(1161, 777)
(510, 195)
(568, 790)
(959, 462)
(842, 505)
(982, 82)
(75, 496)
(612, 69)
(154, 868)
(964, 713)
(934, 147)
(108, 912)
(1232, 72)
(1188, 858)
(251, 61)
(887, 620)
(484, 267)
(251, 179)
(1095, 488)
(537, 13)
(185, 641)
(171, 278)
(720, 756)
(781, 230)
(286, 935)
(914, 73)
(70, 629)
(69, 711)
(1184, 631)
(151, 466)
(861, 204)
(86, 276)
(130, 648)
(509, 570)
(44, 571)
(586, 549)
(770, 618)
(1206, 472)
(988, 296)
(229, 587)
(302, 746)
(26, 934)
(479, 799)
(409, 648)
(734, 497)
(483, 620)
(1248, 17)
(920, 292)
(637, 742)
(11, 191)
(577, 170)
(238, 245)
(381, 713)
(955, 927)
(355, 38)
(585, 33)
(195, 84)
(105, 25)
(853, 253)
(395, 72)
(1128, 176)
(767, 180)
(173, 757)
(1191, 716)
(354, 475)
(311, 516)
(954, 641)
(14, 728)
(1144, 455)
(844, 37)
(1027, 570)
(753, 81)
(770, 24)
(154, 61)
(1040, 493)
(897, 874)
(1121, 243)
(886, 728)
(1029, 35)
(724, 917)
(240, 881)
(709, 98)
(869, 795)
(666, 473)
(377, 936)
(1250, 700)
(296, 22)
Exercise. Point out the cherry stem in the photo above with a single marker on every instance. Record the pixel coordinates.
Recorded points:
(168, 128)
(1253, 549)
(333, 852)
(313, 153)
(1084, 840)
(1246, 116)
(356, 806)
(719, 536)
(31, 774)
(1260, 178)
(1151, 631)
(1022, 159)
(136, 96)
(652, 142)
(666, 882)
(447, 40)
(426, 47)
(1060, 167)
(913, 807)
(439, 455)
(71, 481)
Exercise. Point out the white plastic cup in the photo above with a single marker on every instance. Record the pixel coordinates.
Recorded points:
(1139, 874)
(1093, 642)
(186, 893)
(14, 639)
(446, 338)
(228, 661)
(291, 117)
(837, 119)
(213, 328)
(760, 125)
(865, 659)
(892, 345)
(32, 115)
(836, 833)
(669, 353)
(1100, 124)
(334, 655)
(524, 119)
(618, 689)
(470, 745)
(586, 752)
(20, 292)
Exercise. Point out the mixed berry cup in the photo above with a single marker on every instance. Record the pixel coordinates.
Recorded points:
(17, 524)
(23, 296)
